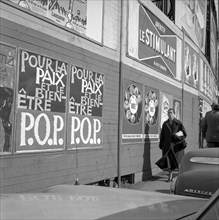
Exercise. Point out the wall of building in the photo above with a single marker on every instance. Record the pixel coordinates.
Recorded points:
(28, 170)
(31, 170)
(179, 87)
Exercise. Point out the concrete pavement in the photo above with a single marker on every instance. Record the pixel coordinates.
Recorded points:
(156, 183)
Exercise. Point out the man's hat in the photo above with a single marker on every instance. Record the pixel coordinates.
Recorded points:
(215, 107)
(213, 104)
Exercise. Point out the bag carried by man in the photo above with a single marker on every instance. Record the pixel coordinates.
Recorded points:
(180, 142)
(181, 145)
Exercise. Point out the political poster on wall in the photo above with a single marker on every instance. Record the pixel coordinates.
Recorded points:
(177, 108)
(85, 124)
(166, 103)
(8, 61)
(132, 112)
(151, 109)
(191, 17)
(41, 102)
(191, 66)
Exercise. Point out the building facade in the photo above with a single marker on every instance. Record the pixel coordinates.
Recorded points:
(86, 85)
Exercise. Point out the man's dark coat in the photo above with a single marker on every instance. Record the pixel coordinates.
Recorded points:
(167, 135)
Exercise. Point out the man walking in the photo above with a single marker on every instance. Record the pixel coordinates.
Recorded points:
(172, 131)
(210, 127)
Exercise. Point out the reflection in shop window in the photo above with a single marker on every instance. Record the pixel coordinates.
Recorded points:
(82, 16)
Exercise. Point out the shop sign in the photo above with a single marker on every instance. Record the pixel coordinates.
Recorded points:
(156, 43)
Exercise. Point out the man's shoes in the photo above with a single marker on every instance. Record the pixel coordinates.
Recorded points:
(170, 178)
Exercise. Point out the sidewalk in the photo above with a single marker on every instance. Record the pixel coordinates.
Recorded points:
(155, 183)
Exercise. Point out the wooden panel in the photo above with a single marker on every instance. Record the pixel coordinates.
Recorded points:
(191, 120)
(24, 172)
(111, 21)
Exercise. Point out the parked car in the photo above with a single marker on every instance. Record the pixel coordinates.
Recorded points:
(96, 202)
(198, 174)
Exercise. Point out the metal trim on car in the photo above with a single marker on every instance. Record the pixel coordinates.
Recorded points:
(205, 160)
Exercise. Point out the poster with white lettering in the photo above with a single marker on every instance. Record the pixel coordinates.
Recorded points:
(156, 44)
(85, 108)
(42, 83)
(41, 101)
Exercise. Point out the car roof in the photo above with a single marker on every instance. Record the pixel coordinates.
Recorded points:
(210, 152)
(206, 158)
(96, 202)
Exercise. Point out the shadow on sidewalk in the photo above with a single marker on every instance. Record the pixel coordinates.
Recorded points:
(166, 191)
(157, 183)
